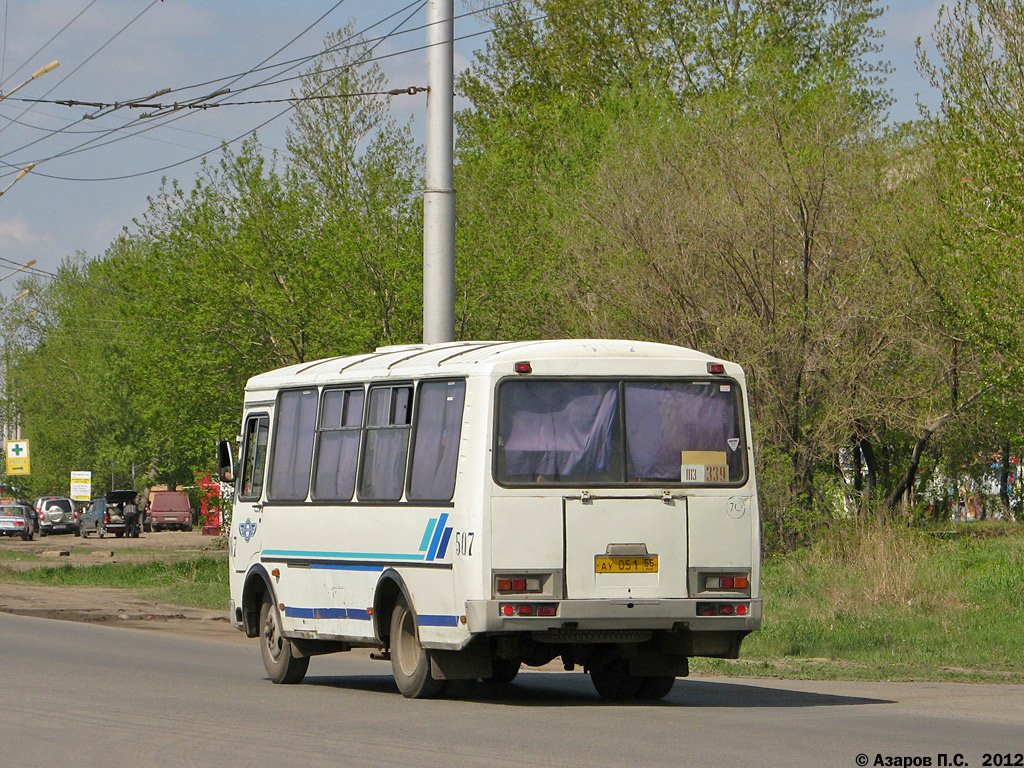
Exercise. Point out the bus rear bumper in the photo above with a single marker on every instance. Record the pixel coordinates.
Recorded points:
(487, 616)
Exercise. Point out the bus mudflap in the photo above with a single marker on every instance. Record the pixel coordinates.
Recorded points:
(473, 661)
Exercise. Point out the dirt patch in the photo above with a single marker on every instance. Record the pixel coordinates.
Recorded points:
(101, 605)
(114, 607)
(162, 544)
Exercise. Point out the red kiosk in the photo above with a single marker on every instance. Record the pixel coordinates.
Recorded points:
(209, 505)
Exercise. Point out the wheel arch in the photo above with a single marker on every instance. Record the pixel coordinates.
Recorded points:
(257, 584)
(390, 587)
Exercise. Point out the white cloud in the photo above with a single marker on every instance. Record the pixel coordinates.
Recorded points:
(17, 232)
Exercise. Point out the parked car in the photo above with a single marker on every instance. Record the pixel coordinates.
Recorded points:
(114, 513)
(80, 507)
(56, 514)
(17, 519)
(169, 509)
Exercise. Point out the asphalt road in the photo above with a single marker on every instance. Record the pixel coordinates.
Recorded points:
(84, 695)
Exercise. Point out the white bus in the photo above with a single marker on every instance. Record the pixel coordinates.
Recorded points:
(470, 507)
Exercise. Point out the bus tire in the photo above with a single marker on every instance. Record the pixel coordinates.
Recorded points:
(410, 661)
(503, 671)
(279, 658)
(612, 680)
(654, 688)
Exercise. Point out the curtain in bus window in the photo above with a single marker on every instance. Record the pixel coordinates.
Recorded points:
(338, 452)
(665, 419)
(436, 445)
(387, 442)
(556, 430)
(293, 445)
(384, 471)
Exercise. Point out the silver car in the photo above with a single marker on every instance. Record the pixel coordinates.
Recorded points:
(17, 520)
(56, 514)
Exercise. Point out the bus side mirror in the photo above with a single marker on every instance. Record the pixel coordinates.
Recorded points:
(225, 462)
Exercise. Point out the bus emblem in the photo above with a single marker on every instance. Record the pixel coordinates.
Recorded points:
(247, 529)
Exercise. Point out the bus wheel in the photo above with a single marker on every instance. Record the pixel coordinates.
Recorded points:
(613, 681)
(503, 671)
(654, 688)
(410, 661)
(279, 658)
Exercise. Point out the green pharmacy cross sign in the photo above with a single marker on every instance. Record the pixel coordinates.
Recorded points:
(17, 457)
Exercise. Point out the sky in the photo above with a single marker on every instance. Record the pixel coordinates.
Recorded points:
(93, 176)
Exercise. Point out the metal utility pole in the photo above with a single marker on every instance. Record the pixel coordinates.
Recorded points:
(439, 194)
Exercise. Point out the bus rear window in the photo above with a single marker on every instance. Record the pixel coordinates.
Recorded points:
(619, 432)
(558, 431)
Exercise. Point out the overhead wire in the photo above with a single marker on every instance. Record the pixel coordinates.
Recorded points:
(342, 45)
(293, 63)
(299, 61)
(90, 56)
(420, 4)
(74, 150)
(291, 101)
(42, 47)
(364, 59)
(95, 131)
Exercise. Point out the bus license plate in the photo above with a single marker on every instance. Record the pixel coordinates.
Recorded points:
(625, 565)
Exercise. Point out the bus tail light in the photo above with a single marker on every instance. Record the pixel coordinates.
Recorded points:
(733, 582)
(718, 368)
(517, 583)
(528, 609)
(722, 609)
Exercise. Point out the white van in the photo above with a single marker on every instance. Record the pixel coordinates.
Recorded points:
(470, 507)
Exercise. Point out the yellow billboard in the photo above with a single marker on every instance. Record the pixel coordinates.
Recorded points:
(17, 457)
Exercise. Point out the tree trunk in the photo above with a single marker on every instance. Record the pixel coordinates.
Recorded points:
(906, 483)
(903, 492)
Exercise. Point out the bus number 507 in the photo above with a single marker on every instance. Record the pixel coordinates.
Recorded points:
(464, 543)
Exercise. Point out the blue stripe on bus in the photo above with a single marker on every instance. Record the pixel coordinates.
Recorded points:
(330, 613)
(436, 620)
(437, 536)
(347, 555)
(294, 612)
(444, 542)
(427, 533)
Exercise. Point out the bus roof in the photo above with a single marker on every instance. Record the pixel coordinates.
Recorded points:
(483, 358)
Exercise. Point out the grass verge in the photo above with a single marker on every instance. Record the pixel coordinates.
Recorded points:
(195, 582)
(892, 603)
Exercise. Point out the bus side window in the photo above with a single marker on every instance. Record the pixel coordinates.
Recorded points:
(386, 443)
(341, 418)
(254, 456)
(435, 449)
(292, 457)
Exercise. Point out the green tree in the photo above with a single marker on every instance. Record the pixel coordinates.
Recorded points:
(139, 358)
